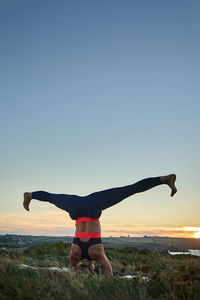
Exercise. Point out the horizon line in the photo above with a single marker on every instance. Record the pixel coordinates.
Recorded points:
(121, 236)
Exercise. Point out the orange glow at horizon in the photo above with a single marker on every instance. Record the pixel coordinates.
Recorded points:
(59, 224)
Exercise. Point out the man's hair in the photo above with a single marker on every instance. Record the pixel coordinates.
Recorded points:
(83, 268)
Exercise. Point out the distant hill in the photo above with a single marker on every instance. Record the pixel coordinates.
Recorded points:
(12, 241)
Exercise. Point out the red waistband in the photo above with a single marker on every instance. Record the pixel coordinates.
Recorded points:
(87, 235)
(86, 219)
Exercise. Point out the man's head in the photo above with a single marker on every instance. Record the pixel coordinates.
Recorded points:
(86, 266)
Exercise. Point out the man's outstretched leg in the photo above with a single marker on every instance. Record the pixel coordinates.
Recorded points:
(62, 201)
(110, 197)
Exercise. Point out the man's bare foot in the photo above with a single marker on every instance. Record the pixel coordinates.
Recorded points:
(27, 200)
(170, 181)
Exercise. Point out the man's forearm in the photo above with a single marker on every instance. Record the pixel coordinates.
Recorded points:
(74, 264)
(105, 266)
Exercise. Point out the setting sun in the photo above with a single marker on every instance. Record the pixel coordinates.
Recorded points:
(197, 235)
(195, 231)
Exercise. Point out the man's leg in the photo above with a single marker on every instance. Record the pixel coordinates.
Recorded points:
(110, 197)
(62, 201)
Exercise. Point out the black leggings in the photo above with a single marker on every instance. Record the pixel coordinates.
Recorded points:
(93, 204)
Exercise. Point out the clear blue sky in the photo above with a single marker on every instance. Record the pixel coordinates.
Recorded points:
(97, 94)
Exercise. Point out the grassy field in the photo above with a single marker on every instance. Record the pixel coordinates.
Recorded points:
(170, 277)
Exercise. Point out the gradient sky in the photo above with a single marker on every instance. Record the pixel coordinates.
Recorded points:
(98, 94)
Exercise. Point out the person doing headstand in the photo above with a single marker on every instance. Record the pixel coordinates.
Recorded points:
(86, 211)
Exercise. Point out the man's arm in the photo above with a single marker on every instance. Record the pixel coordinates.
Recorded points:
(97, 253)
(104, 264)
(74, 256)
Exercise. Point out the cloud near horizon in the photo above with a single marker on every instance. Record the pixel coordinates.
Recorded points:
(57, 223)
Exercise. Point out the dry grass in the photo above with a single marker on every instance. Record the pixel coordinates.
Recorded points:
(172, 277)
